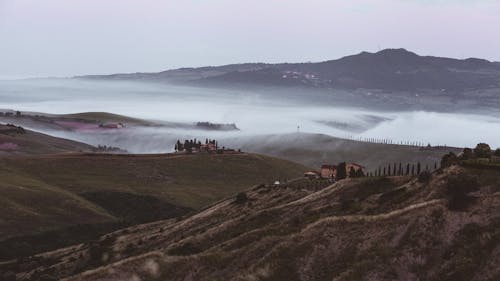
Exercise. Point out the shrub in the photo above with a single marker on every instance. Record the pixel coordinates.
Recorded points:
(425, 177)
(241, 198)
(457, 190)
(467, 154)
(482, 150)
(497, 152)
(449, 159)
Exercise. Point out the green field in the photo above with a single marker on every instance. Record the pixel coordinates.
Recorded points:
(42, 193)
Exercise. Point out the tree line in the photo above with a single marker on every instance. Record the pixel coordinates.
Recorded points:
(193, 144)
(408, 169)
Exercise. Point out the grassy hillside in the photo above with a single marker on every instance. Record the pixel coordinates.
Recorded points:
(51, 192)
(105, 117)
(348, 231)
(14, 141)
(316, 149)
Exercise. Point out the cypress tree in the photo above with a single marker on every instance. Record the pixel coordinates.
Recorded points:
(418, 168)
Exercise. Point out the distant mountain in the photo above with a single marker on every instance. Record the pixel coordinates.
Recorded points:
(390, 70)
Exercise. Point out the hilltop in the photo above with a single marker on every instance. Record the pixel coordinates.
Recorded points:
(77, 196)
(426, 229)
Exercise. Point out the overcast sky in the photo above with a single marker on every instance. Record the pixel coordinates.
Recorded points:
(73, 37)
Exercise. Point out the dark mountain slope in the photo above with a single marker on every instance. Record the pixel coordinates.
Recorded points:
(390, 69)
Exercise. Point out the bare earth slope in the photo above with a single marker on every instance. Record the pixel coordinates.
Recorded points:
(363, 229)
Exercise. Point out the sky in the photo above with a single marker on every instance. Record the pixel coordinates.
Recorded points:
(40, 38)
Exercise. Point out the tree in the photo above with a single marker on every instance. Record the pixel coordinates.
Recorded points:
(482, 150)
(449, 159)
(408, 169)
(419, 168)
(467, 154)
(412, 169)
(241, 198)
(341, 171)
(359, 173)
(352, 172)
(497, 152)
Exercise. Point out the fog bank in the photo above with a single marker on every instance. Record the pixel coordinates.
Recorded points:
(255, 113)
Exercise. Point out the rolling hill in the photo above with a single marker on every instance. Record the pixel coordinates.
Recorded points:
(313, 150)
(425, 229)
(76, 196)
(16, 140)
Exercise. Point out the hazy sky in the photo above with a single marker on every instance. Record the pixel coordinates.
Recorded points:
(72, 37)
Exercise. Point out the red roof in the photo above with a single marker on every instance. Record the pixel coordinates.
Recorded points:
(325, 166)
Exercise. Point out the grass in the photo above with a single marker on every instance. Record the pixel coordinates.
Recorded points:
(105, 117)
(46, 193)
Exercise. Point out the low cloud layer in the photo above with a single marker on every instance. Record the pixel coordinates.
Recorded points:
(253, 113)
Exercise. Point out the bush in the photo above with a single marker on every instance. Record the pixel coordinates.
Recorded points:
(457, 190)
(449, 159)
(425, 177)
(482, 150)
(241, 198)
(497, 152)
(467, 154)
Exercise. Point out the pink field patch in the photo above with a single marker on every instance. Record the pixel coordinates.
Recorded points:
(74, 125)
(8, 146)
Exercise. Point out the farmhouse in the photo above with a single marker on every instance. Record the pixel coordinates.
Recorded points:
(357, 167)
(312, 175)
(328, 171)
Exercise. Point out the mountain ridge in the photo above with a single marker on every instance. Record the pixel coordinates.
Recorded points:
(389, 69)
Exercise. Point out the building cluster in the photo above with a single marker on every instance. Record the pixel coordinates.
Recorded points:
(112, 125)
(336, 172)
(194, 146)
